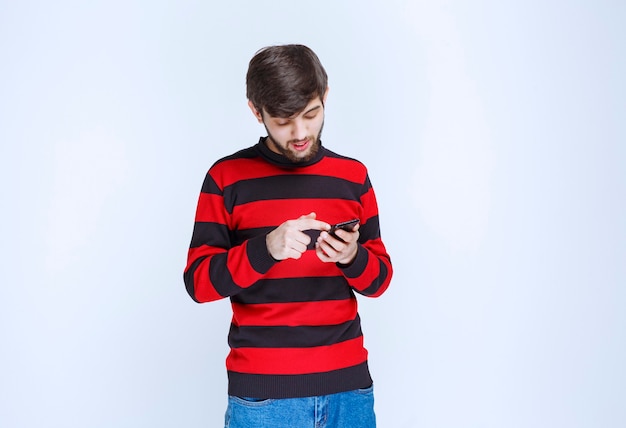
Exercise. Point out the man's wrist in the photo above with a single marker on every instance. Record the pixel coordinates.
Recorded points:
(348, 261)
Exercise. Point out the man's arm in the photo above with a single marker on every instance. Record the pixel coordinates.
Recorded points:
(360, 254)
(216, 268)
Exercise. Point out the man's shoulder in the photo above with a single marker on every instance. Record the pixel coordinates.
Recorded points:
(235, 167)
(355, 163)
(332, 154)
(247, 153)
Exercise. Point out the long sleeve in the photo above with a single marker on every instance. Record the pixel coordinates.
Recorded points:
(371, 271)
(216, 268)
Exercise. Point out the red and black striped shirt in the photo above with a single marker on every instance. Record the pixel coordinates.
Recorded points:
(295, 329)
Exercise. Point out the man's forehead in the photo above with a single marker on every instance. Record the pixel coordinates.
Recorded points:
(314, 104)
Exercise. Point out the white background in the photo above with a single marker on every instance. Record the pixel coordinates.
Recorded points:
(494, 133)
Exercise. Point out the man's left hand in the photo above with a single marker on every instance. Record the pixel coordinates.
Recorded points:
(332, 250)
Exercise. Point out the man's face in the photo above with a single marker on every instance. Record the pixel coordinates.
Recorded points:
(296, 137)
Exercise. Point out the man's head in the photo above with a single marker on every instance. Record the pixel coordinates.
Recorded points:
(282, 80)
(286, 89)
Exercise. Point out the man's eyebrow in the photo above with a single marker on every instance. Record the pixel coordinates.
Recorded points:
(312, 109)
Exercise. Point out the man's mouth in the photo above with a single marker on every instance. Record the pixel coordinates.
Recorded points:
(301, 145)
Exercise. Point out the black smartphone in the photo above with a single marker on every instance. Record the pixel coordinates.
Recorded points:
(345, 225)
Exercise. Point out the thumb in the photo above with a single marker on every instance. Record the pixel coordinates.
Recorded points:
(308, 216)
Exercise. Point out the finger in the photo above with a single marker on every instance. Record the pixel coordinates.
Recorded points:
(297, 237)
(290, 253)
(294, 254)
(300, 246)
(330, 245)
(340, 235)
(312, 224)
(294, 249)
(344, 235)
(347, 236)
(321, 254)
(335, 240)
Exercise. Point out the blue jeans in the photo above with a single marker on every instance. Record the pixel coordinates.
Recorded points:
(352, 409)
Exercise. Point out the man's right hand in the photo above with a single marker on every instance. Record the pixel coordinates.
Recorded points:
(288, 241)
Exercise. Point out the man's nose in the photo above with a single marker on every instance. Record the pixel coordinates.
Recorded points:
(299, 130)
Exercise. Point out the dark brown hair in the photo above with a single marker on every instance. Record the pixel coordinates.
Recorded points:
(282, 80)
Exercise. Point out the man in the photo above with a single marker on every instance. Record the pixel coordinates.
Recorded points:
(262, 237)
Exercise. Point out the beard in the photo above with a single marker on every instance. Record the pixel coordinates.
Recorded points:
(289, 154)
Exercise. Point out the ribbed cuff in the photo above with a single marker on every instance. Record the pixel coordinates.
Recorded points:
(260, 259)
(358, 265)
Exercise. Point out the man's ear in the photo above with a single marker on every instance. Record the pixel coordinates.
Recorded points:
(255, 112)
(325, 95)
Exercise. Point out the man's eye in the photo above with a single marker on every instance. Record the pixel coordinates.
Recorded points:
(312, 116)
